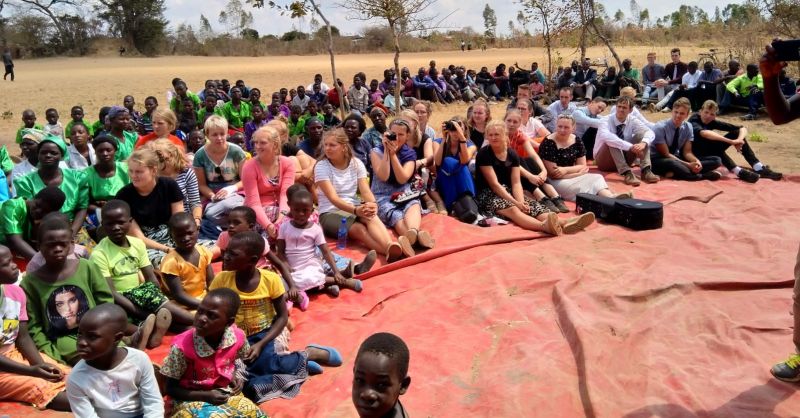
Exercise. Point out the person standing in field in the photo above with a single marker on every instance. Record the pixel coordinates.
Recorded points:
(9, 64)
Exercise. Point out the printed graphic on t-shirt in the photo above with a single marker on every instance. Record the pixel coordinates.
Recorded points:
(125, 266)
(65, 307)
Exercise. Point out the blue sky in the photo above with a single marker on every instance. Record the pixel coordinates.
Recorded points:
(464, 13)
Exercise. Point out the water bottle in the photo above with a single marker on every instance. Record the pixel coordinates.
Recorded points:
(341, 237)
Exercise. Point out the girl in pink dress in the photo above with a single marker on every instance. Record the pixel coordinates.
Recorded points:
(298, 240)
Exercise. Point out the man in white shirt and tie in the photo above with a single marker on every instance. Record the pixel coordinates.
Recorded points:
(621, 140)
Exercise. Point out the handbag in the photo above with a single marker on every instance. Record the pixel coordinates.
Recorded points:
(465, 209)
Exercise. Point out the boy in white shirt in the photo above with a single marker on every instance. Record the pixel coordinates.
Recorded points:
(111, 381)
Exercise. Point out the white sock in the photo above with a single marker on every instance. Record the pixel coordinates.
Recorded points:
(758, 166)
(736, 170)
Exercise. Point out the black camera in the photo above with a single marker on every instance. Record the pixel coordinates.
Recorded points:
(392, 136)
(450, 125)
(787, 50)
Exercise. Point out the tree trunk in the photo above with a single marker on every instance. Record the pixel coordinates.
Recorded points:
(582, 45)
(548, 86)
(333, 60)
(397, 92)
(590, 21)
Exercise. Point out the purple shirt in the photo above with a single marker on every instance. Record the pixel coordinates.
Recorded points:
(249, 129)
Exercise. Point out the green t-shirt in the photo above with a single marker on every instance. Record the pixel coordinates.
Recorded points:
(173, 104)
(632, 73)
(121, 264)
(201, 114)
(19, 131)
(296, 128)
(5, 160)
(14, 219)
(236, 118)
(89, 127)
(54, 309)
(106, 188)
(73, 184)
(125, 145)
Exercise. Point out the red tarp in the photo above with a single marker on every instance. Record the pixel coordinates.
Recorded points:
(682, 321)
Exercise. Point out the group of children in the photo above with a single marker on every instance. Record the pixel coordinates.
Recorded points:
(230, 353)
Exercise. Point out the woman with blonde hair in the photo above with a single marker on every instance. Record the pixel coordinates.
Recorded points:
(153, 200)
(478, 115)
(265, 179)
(500, 190)
(164, 123)
(304, 164)
(340, 180)
(422, 144)
(218, 165)
(175, 165)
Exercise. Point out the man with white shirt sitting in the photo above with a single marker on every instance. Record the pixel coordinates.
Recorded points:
(587, 122)
(621, 140)
(687, 88)
(323, 88)
(563, 105)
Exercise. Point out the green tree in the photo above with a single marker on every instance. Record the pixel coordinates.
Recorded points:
(322, 32)
(619, 16)
(644, 18)
(294, 35)
(140, 23)
(489, 22)
(784, 15)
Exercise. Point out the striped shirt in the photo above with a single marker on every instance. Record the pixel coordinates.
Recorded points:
(344, 182)
(187, 181)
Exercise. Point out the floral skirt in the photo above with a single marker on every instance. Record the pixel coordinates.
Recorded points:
(237, 406)
(489, 203)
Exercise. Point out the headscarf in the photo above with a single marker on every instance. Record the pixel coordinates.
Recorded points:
(115, 111)
(56, 140)
(34, 135)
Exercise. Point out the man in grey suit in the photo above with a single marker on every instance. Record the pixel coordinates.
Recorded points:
(651, 73)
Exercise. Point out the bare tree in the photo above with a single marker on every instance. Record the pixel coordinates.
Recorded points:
(556, 17)
(403, 16)
(299, 9)
(50, 8)
(589, 19)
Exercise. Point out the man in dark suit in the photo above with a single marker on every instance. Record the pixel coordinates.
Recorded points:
(585, 82)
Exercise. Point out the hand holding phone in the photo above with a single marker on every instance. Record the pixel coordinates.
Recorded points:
(786, 50)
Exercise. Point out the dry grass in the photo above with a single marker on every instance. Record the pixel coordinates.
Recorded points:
(96, 82)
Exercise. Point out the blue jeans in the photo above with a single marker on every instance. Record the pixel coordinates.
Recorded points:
(753, 101)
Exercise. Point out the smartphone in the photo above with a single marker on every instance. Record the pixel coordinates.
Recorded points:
(787, 50)
(392, 136)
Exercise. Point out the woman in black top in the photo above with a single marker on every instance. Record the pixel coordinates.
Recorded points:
(153, 200)
(500, 190)
(477, 118)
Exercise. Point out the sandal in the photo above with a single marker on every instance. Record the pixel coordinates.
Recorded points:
(578, 223)
(394, 252)
(551, 225)
(425, 240)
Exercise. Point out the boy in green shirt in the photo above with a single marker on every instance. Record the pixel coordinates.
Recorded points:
(19, 218)
(77, 117)
(28, 122)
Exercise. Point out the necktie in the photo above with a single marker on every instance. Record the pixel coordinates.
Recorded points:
(620, 130)
(675, 72)
(673, 149)
(651, 71)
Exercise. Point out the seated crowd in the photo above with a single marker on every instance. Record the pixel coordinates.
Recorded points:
(119, 222)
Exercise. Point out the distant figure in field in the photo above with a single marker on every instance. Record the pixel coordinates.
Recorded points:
(121, 51)
(9, 64)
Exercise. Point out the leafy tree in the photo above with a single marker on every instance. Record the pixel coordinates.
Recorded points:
(489, 22)
(556, 17)
(635, 10)
(250, 34)
(205, 32)
(235, 17)
(322, 32)
(644, 18)
(294, 35)
(140, 22)
(619, 16)
(784, 15)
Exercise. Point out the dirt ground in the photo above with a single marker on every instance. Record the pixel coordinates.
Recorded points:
(96, 82)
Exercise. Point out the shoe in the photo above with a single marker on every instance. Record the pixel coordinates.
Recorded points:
(559, 202)
(789, 370)
(405, 245)
(314, 368)
(551, 225)
(303, 305)
(547, 203)
(334, 358)
(630, 179)
(425, 240)
(712, 175)
(649, 177)
(138, 339)
(366, 265)
(579, 223)
(411, 235)
(624, 195)
(394, 252)
(333, 291)
(748, 176)
(769, 174)
(750, 116)
(163, 321)
(349, 270)
(666, 110)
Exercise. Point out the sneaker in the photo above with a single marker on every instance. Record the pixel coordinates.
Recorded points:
(551, 225)
(769, 174)
(366, 265)
(547, 203)
(649, 177)
(624, 195)
(559, 202)
(789, 370)
(578, 223)
(748, 176)
(630, 179)
(666, 110)
(750, 116)
(712, 175)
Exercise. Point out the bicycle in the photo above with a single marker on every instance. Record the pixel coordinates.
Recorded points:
(711, 56)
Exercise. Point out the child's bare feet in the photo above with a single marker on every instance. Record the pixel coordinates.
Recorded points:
(163, 321)
(353, 284)
(139, 339)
